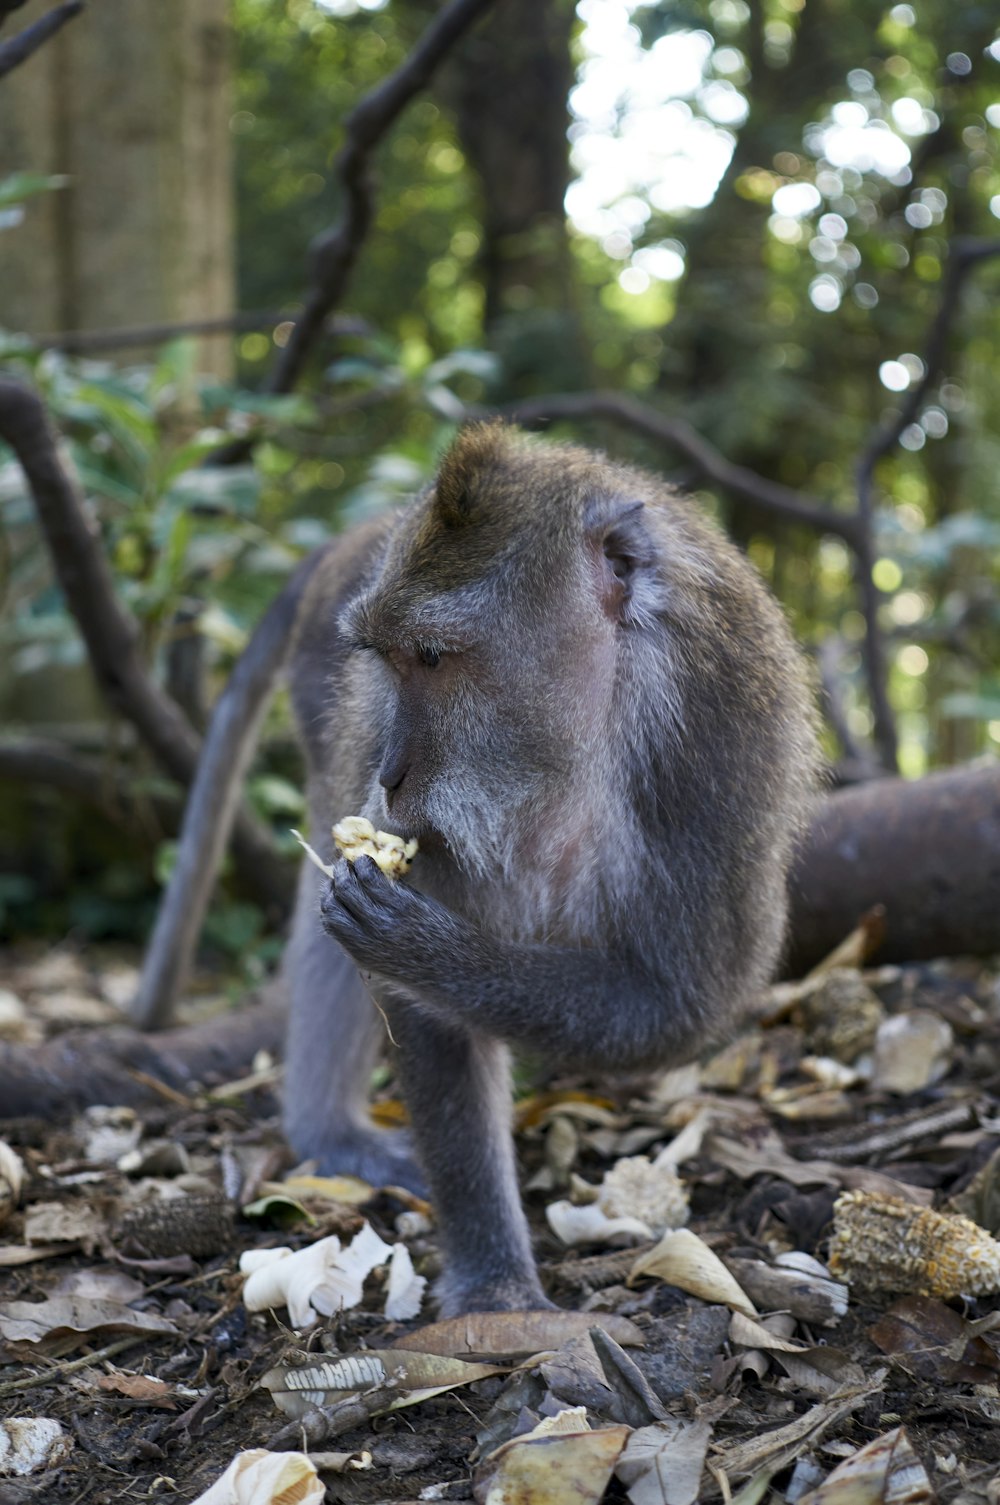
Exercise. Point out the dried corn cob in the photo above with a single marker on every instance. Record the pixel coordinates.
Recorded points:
(887, 1244)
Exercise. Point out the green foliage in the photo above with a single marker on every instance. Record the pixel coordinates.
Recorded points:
(15, 187)
(768, 331)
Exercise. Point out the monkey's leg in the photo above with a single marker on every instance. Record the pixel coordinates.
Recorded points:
(457, 1090)
(334, 1037)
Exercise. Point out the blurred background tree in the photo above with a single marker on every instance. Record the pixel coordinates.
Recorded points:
(740, 214)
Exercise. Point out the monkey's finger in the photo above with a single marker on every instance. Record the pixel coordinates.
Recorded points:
(359, 885)
(338, 921)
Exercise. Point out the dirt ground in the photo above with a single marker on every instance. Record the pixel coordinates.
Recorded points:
(123, 1325)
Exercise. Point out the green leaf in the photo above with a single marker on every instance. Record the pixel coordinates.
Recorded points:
(276, 796)
(17, 186)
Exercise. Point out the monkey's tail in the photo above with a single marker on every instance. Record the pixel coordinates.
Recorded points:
(213, 799)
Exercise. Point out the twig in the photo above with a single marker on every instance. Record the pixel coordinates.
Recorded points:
(20, 48)
(90, 341)
(334, 253)
(110, 632)
(679, 435)
(58, 1372)
(321, 1423)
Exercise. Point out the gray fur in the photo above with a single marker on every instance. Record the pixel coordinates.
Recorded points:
(606, 770)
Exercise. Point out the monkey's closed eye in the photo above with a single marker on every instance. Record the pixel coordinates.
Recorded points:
(429, 657)
(621, 565)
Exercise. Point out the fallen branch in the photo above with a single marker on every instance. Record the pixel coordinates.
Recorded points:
(21, 47)
(926, 850)
(122, 1065)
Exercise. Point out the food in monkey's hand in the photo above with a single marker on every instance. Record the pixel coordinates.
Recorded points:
(356, 837)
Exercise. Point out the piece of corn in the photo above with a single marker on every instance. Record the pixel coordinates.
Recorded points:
(356, 837)
(886, 1244)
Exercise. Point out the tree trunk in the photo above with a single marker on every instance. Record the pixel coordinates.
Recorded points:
(508, 88)
(131, 103)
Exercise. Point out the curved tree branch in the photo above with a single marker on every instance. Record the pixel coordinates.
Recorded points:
(20, 48)
(677, 434)
(110, 632)
(335, 252)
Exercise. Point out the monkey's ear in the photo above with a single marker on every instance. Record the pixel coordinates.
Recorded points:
(624, 555)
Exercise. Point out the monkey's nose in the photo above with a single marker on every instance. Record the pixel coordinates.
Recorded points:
(393, 771)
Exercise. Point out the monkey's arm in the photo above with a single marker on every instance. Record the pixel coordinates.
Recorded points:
(578, 1005)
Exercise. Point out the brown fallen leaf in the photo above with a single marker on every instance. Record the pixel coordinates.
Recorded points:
(776, 1448)
(684, 1260)
(561, 1462)
(817, 1370)
(12, 1255)
(145, 1389)
(341, 1463)
(885, 1472)
(933, 1342)
(72, 1222)
(768, 1156)
(795, 1283)
(58, 1326)
(349, 1189)
(506, 1334)
(662, 1464)
(296, 1388)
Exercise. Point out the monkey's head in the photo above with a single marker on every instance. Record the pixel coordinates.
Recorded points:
(490, 641)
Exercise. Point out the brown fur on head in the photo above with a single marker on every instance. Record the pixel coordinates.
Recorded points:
(481, 449)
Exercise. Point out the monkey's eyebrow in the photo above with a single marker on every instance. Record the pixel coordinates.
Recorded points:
(361, 627)
(607, 512)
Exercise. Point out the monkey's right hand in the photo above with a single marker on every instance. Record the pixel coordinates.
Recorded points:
(388, 927)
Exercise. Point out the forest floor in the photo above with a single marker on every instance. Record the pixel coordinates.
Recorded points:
(724, 1364)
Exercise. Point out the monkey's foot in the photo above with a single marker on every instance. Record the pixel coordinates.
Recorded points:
(379, 1156)
(455, 1299)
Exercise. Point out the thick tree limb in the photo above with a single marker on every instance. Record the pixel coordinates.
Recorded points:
(82, 1067)
(21, 47)
(237, 715)
(335, 252)
(110, 632)
(110, 789)
(928, 850)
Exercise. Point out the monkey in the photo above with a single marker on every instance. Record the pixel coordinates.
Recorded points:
(557, 674)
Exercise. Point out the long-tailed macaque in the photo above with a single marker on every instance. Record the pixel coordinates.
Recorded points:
(579, 697)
